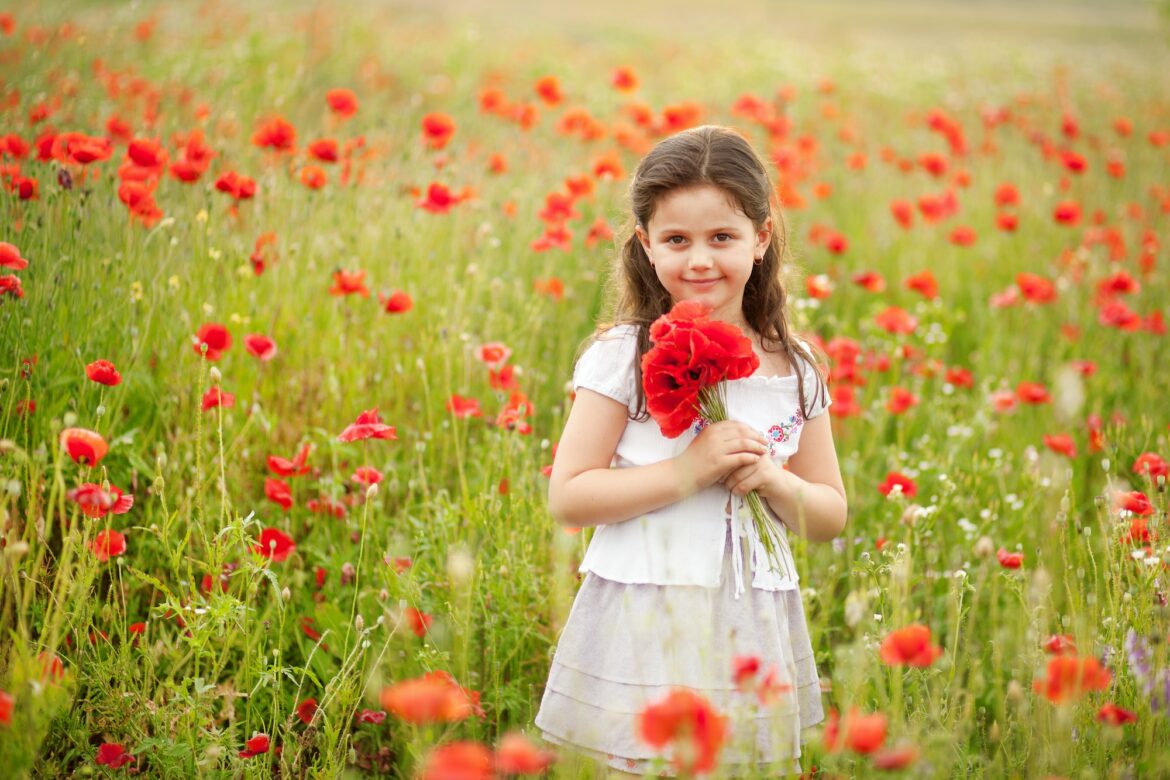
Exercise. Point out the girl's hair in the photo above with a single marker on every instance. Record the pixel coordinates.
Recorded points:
(707, 155)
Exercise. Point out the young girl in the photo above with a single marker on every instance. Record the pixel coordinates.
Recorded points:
(678, 588)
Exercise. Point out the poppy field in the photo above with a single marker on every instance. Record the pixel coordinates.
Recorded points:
(290, 299)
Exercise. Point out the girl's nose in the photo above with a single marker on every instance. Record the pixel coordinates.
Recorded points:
(699, 259)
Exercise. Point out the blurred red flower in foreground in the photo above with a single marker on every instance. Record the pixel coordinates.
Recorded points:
(687, 718)
(1059, 644)
(1115, 716)
(108, 544)
(862, 733)
(215, 338)
(367, 426)
(419, 621)
(103, 372)
(349, 283)
(437, 129)
(276, 133)
(396, 303)
(84, 446)
(255, 746)
(10, 257)
(113, 755)
(342, 102)
(896, 479)
(1070, 677)
(910, 646)
(463, 408)
(433, 698)
(275, 544)
(7, 703)
(461, 760)
(516, 755)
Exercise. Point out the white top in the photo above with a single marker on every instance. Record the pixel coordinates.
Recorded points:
(683, 543)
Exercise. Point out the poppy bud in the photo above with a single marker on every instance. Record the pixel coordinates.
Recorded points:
(460, 567)
(984, 548)
(371, 491)
(1015, 691)
(359, 623)
(70, 419)
(215, 375)
(100, 411)
(383, 594)
(286, 594)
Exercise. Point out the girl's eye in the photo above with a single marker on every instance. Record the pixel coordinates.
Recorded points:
(724, 236)
(671, 240)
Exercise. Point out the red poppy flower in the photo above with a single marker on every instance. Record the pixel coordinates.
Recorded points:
(396, 303)
(1009, 560)
(324, 149)
(52, 668)
(275, 544)
(306, 710)
(1032, 393)
(138, 629)
(1067, 212)
(103, 372)
(1036, 288)
(433, 698)
(283, 467)
(493, 354)
(10, 285)
(314, 177)
(97, 502)
(1061, 443)
(439, 199)
(113, 755)
(910, 646)
(1006, 194)
(872, 281)
(623, 79)
(1116, 314)
(10, 257)
(1060, 644)
(744, 670)
(108, 544)
(924, 284)
(1152, 465)
(373, 717)
(1115, 716)
(342, 102)
(463, 408)
(276, 133)
(7, 704)
(963, 235)
(214, 397)
(260, 345)
(517, 755)
(862, 733)
(894, 319)
(903, 213)
(215, 338)
(548, 89)
(349, 283)
(1070, 677)
(366, 475)
(460, 760)
(689, 721)
(900, 400)
(278, 492)
(237, 185)
(959, 377)
(418, 620)
(551, 286)
(893, 758)
(895, 479)
(84, 446)
(437, 129)
(1133, 501)
(255, 746)
(367, 426)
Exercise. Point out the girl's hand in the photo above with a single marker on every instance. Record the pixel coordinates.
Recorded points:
(763, 476)
(719, 450)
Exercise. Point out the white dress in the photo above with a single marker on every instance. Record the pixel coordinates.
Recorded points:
(644, 622)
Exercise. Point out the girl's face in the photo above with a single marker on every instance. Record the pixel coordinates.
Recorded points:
(703, 248)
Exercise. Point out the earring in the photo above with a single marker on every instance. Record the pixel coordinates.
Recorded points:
(758, 261)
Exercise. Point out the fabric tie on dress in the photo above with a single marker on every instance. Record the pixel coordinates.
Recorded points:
(738, 532)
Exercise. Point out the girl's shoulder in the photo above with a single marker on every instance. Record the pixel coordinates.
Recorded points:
(606, 365)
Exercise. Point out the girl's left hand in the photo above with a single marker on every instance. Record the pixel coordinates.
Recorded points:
(763, 476)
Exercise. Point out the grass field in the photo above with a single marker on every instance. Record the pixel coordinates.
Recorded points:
(977, 206)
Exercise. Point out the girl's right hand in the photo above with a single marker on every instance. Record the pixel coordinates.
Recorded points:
(718, 450)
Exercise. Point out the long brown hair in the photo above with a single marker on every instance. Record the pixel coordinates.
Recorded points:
(722, 157)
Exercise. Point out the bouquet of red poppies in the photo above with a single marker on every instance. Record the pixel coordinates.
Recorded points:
(683, 376)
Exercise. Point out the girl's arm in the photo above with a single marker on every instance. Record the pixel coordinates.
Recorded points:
(583, 490)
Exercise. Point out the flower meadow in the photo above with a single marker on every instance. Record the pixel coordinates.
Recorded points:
(289, 298)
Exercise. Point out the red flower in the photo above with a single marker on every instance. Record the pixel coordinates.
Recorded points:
(872, 281)
(1115, 716)
(903, 213)
(516, 755)
(51, 666)
(1061, 443)
(255, 746)
(893, 758)
(900, 400)
(896, 479)
(493, 354)
(314, 177)
(419, 621)
(108, 544)
(103, 372)
(349, 283)
(744, 670)
(373, 717)
(460, 760)
(863, 733)
(396, 303)
(1133, 501)
(1152, 465)
(1036, 288)
(963, 235)
(463, 407)
(1067, 212)
(910, 646)
(283, 467)
(685, 717)
(215, 338)
(260, 345)
(306, 710)
(437, 129)
(10, 257)
(1070, 677)
(959, 377)
(275, 544)
(276, 133)
(10, 285)
(1060, 644)
(367, 426)
(113, 755)
(237, 185)
(342, 102)
(690, 353)
(1009, 560)
(96, 502)
(84, 446)
(367, 475)
(924, 284)
(433, 698)
(215, 397)
(1007, 195)
(1032, 393)
(7, 704)
(438, 199)
(278, 492)
(896, 320)
(324, 149)
(623, 79)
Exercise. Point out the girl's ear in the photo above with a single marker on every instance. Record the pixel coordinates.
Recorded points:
(643, 239)
(763, 237)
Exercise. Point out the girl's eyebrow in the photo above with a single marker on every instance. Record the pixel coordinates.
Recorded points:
(670, 229)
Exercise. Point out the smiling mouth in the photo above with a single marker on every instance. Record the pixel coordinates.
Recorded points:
(700, 282)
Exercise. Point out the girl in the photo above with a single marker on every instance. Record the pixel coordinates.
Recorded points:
(667, 601)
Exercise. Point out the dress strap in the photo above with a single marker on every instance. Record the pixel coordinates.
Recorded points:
(738, 532)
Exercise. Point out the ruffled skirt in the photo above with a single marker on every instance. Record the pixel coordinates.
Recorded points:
(625, 646)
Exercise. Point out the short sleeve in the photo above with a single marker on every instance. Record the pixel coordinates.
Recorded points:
(607, 366)
(816, 389)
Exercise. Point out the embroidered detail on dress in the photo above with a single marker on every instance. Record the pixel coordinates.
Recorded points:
(783, 432)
